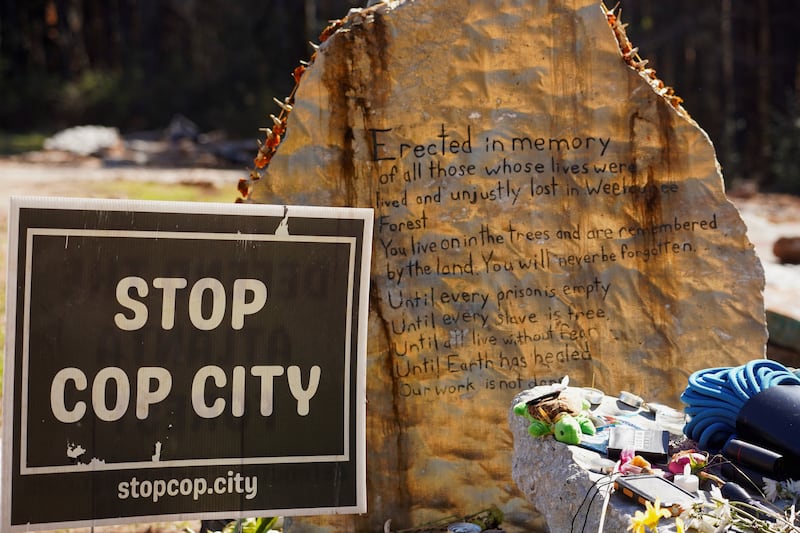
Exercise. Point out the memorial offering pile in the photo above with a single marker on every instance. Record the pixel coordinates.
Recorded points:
(732, 464)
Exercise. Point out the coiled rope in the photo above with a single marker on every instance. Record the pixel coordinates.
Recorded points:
(714, 397)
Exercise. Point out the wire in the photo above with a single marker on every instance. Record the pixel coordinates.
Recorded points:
(578, 510)
(606, 499)
(597, 485)
(591, 502)
(715, 396)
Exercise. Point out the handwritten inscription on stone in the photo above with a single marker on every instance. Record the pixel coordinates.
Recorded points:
(457, 324)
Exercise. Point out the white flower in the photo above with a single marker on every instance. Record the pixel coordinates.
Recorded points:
(720, 515)
(693, 520)
(770, 489)
(700, 525)
(716, 494)
(792, 486)
(717, 515)
(789, 489)
(713, 516)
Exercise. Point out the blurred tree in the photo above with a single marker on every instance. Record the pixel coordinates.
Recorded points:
(135, 63)
(736, 65)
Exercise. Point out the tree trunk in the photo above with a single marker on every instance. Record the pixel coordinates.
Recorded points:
(728, 131)
(763, 105)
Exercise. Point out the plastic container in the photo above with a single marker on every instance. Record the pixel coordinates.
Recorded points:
(763, 460)
(671, 420)
(463, 527)
(593, 396)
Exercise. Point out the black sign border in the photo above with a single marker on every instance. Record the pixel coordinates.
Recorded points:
(309, 221)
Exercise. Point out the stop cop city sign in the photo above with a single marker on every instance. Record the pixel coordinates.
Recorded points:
(181, 360)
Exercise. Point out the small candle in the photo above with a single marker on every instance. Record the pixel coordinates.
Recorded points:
(688, 481)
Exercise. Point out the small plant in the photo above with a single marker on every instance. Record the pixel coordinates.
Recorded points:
(249, 525)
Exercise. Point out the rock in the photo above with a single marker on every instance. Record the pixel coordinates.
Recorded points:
(548, 476)
(555, 479)
(543, 207)
(787, 250)
(181, 128)
(84, 140)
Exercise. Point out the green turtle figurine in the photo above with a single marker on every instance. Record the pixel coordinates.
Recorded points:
(557, 414)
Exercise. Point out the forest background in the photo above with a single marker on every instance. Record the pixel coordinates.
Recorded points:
(134, 64)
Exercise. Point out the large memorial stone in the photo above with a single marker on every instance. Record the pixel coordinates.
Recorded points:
(543, 207)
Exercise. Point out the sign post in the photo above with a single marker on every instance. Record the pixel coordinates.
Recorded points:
(169, 360)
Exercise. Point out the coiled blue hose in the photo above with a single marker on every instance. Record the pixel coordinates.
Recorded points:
(714, 397)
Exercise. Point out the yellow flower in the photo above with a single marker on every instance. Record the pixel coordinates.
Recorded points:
(649, 518)
(679, 525)
(637, 522)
